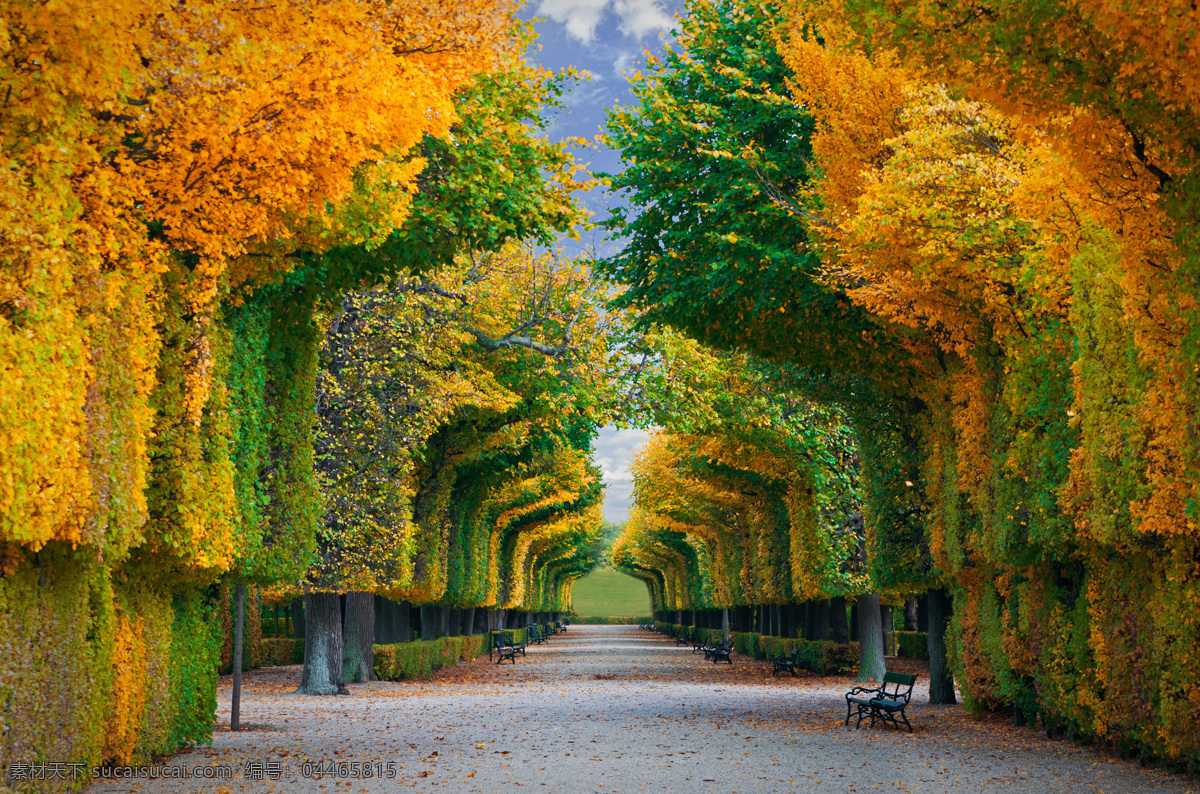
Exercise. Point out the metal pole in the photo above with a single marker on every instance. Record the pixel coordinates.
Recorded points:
(235, 716)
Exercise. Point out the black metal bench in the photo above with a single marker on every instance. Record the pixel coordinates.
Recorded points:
(884, 703)
(504, 650)
(536, 635)
(684, 638)
(782, 664)
(721, 650)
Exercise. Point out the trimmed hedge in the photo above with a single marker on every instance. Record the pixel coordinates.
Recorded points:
(99, 667)
(821, 657)
(405, 661)
(746, 643)
(279, 652)
(609, 621)
(912, 644)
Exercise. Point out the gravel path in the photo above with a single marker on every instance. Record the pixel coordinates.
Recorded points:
(618, 709)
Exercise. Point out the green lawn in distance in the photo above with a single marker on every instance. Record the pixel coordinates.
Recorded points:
(604, 593)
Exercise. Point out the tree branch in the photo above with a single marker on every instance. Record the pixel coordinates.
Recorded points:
(510, 341)
(1139, 151)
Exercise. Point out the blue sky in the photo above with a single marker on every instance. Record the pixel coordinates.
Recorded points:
(606, 38)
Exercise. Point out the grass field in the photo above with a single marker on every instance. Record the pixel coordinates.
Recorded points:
(606, 593)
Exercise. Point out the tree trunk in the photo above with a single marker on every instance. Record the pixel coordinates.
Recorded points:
(358, 638)
(821, 619)
(941, 682)
(404, 629)
(322, 673)
(885, 621)
(837, 620)
(923, 612)
(431, 617)
(854, 622)
(298, 618)
(725, 624)
(871, 666)
(468, 622)
(235, 711)
(910, 615)
(381, 616)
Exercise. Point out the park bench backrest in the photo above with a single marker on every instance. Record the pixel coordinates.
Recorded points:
(901, 685)
(498, 639)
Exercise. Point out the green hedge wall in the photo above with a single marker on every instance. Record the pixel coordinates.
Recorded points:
(821, 657)
(405, 661)
(99, 666)
(912, 644)
(282, 651)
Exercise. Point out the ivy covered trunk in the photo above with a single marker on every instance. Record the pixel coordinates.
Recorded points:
(941, 682)
(871, 666)
(358, 637)
(322, 673)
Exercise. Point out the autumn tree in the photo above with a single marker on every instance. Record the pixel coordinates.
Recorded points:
(722, 245)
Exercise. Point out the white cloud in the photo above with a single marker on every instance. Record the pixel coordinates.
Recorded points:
(614, 452)
(623, 62)
(639, 17)
(581, 17)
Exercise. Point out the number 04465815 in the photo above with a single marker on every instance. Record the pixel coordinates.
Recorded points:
(348, 769)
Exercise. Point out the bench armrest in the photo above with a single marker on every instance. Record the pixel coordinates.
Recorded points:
(863, 690)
